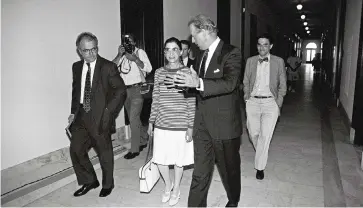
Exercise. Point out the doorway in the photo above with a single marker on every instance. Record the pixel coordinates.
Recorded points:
(142, 18)
(310, 52)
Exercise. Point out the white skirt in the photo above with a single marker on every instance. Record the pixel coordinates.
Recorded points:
(170, 148)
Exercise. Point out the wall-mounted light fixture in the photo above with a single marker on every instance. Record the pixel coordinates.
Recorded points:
(302, 16)
(299, 6)
(305, 23)
(306, 28)
(308, 32)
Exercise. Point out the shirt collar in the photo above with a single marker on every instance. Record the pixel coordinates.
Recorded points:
(214, 45)
(268, 56)
(92, 64)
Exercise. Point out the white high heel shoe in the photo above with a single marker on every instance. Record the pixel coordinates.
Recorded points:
(166, 195)
(174, 199)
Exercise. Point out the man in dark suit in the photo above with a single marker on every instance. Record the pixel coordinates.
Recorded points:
(98, 93)
(187, 61)
(218, 123)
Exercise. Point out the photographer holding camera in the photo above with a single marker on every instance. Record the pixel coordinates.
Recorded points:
(133, 65)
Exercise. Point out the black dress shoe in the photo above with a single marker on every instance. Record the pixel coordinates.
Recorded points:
(231, 204)
(105, 192)
(142, 147)
(86, 188)
(260, 175)
(131, 155)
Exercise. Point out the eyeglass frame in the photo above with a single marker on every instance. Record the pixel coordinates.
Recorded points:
(87, 51)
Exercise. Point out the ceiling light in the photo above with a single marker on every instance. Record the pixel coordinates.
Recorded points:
(302, 16)
(299, 7)
(306, 28)
(308, 32)
(305, 23)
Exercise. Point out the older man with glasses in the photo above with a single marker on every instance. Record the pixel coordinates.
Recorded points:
(93, 109)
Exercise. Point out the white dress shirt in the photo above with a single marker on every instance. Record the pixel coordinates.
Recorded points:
(185, 61)
(130, 72)
(211, 49)
(262, 82)
(84, 74)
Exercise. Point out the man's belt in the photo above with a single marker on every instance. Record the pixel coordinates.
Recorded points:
(133, 85)
(262, 97)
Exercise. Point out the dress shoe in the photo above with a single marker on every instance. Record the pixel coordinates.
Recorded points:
(131, 155)
(260, 175)
(231, 204)
(142, 147)
(85, 188)
(105, 192)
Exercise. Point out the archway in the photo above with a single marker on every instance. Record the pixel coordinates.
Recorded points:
(310, 51)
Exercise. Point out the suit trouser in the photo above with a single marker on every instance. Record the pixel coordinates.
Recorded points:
(262, 116)
(207, 152)
(84, 136)
(133, 105)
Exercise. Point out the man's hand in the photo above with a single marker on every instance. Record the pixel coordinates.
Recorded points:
(183, 79)
(70, 118)
(150, 130)
(121, 50)
(131, 57)
(189, 135)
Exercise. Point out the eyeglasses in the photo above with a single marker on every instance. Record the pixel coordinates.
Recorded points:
(169, 50)
(90, 50)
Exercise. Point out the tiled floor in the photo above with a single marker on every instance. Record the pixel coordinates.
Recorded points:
(302, 170)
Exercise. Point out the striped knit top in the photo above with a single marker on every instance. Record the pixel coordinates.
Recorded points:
(170, 110)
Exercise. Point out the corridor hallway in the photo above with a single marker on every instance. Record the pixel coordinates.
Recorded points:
(310, 164)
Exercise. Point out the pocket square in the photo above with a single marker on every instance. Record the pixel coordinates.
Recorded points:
(216, 71)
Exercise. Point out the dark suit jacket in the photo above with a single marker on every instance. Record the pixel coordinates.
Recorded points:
(108, 92)
(190, 63)
(218, 106)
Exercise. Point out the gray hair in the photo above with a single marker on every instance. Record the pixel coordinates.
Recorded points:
(203, 22)
(88, 36)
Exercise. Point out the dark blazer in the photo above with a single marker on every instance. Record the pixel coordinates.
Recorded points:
(218, 106)
(190, 63)
(108, 92)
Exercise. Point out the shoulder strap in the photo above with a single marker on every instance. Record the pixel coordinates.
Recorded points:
(150, 143)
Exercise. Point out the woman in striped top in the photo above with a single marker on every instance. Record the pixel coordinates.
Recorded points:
(172, 116)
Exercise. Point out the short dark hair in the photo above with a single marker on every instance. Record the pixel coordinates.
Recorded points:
(86, 35)
(132, 36)
(185, 42)
(203, 22)
(173, 40)
(266, 36)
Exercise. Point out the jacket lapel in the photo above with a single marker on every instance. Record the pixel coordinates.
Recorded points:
(254, 69)
(273, 69)
(96, 74)
(213, 64)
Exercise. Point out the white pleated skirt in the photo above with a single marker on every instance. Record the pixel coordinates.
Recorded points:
(170, 148)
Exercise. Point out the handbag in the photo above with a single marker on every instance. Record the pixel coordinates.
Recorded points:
(149, 173)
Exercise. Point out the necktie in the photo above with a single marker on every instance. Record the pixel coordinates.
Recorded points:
(202, 66)
(87, 91)
(262, 60)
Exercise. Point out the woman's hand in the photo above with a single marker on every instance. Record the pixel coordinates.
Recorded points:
(150, 130)
(189, 135)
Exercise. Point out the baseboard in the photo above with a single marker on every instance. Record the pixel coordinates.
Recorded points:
(345, 118)
(35, 178)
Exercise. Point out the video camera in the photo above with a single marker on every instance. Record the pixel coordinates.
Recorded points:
(126, 42)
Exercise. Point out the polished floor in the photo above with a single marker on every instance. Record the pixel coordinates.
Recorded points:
(310, 164)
